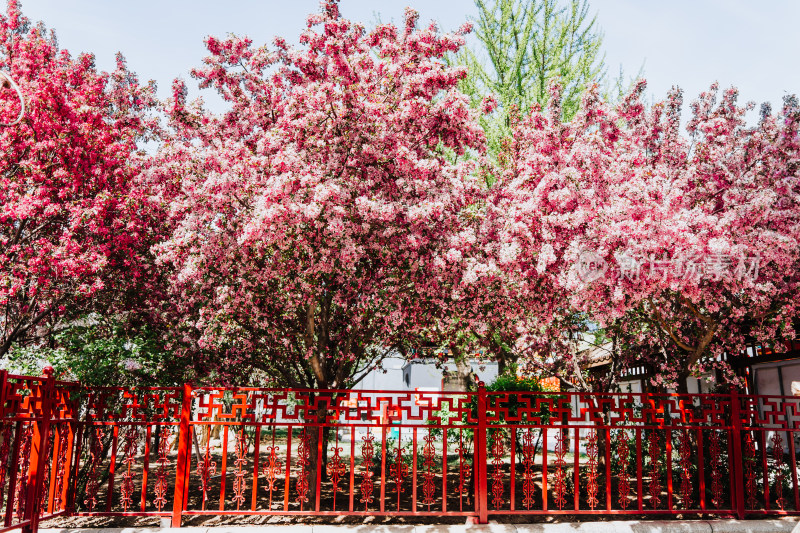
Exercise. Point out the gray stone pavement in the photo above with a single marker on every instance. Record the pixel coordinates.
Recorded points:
(786, 525)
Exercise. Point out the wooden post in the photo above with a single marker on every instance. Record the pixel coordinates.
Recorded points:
(184, 441)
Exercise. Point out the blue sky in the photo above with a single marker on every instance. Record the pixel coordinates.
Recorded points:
(751, 44)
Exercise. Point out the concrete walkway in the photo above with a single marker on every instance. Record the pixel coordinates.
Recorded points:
(627, 526)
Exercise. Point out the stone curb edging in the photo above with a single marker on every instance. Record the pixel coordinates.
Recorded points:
(628, 526)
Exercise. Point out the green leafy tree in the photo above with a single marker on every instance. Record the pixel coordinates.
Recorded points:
(523, 45)
(103, 351)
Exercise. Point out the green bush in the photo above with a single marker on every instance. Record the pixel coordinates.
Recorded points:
(100, 351)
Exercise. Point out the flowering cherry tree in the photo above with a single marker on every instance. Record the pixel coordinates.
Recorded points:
(687, 245)
(318, 217)
(72, 225)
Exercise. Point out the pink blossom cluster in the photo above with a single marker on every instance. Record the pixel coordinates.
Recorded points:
(74, 225)
(322, 216)
(620, 179)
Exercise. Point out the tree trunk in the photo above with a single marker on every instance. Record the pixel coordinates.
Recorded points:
(501, 362)
(601, 441)
(683, 385)
(463, 377)
(316, 460)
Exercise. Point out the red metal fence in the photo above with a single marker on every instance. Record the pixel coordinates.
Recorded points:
(37, 440)
(183, 451)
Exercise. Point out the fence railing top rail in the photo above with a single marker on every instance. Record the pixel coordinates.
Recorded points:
(209, 389)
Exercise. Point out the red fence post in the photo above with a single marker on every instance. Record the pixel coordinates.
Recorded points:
(184, 440)
(481, 497)
(41, 440)
(737, 498)
(70, 455)
(6, 498)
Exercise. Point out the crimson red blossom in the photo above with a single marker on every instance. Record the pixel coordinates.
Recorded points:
(686, 245)
(318, 218)
(72, 224)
